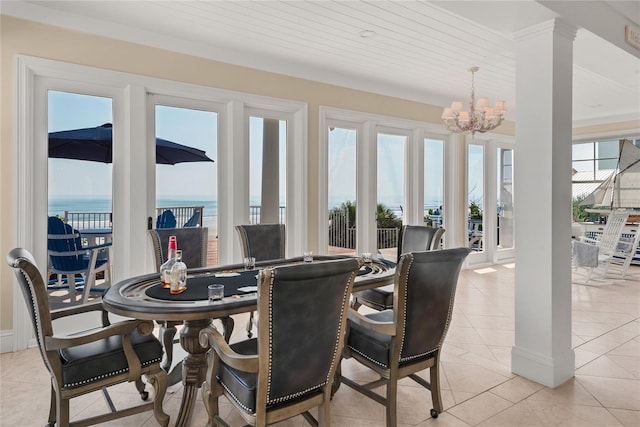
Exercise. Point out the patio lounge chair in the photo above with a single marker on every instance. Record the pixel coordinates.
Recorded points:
(68, 257)
(614, 252)
(166, 220)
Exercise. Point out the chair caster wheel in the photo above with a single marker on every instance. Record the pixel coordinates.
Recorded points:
(434, 413)
(144, 395)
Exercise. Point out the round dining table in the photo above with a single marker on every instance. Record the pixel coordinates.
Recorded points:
(142, 297)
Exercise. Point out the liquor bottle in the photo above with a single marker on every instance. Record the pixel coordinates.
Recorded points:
(178, 275)
(165, 269)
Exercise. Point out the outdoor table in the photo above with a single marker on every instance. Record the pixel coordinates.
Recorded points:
(93, 234)
(142, 297)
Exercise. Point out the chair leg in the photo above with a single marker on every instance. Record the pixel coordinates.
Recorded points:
(250, 323)
(159, 382)
(140, 386)
(392, 402)
(436, 397)
(62, 412)
(324, 412)
(52, 409)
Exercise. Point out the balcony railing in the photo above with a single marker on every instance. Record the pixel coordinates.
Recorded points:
(254, 214)
(84, 220)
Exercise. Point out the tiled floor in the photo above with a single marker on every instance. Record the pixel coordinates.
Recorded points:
(478, 387)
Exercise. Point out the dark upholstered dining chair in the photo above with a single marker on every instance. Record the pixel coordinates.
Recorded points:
(193, 241)
(262, 241)
(90, 360)
(399, 343)
(290, 368)
(412, 238)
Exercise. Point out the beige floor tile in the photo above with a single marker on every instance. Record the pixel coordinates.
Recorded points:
(630, 348)
(480, 408)
(627, 418)
(569, 393)
(613, 392)
(630, 363)
(464, 336)
(471, 379)
(604, 366)
(516, 389)
(559, 414)
(498, 323)
(443, 420)
(582, 357)
(518, 415)
(498, 337)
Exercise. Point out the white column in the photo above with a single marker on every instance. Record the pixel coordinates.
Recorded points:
(270, 206)
(542, 350)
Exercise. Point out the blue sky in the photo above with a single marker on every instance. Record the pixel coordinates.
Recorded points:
(199, 129)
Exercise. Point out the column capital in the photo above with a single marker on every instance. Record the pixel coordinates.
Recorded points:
(556, 26)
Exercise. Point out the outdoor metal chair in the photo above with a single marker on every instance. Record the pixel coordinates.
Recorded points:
(68, 257)
(291, 368)
(90, 360)
(412, 238)
(399, 343)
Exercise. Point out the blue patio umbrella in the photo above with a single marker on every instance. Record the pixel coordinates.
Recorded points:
(95, 144)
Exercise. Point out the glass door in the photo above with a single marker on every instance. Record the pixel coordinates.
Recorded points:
(475, 197)
(504, 231)
(187, 172)
(267, 170)
(342, 190)
(433, 182)
(390, 192)
(79, 196)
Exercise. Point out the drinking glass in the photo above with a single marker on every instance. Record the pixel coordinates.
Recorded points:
(216, 292)
(366, 256)
(249, 263)
(307, 256)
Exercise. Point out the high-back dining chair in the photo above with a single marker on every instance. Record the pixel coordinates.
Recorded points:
(399, 343)
(68, 257)
(411, 238)
(193, 241)
(91, 360)
(290, 368)
(262, 241)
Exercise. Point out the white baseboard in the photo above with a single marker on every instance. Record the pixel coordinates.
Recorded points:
(541, 369)
(6, 341)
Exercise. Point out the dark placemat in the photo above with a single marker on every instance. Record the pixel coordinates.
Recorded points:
(197, 287)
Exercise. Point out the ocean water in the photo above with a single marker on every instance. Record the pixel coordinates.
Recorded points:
(57, 206)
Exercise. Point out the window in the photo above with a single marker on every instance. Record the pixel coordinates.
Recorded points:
(341, 192)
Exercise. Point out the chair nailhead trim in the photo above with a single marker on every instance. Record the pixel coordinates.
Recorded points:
(368, 357)
(107, 375)
(235, 398)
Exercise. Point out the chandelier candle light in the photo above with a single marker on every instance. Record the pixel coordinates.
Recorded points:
(480, 118)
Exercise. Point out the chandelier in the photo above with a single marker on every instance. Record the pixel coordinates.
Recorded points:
(481, 118)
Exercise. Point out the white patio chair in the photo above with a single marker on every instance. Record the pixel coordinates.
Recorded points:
(614, 253)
